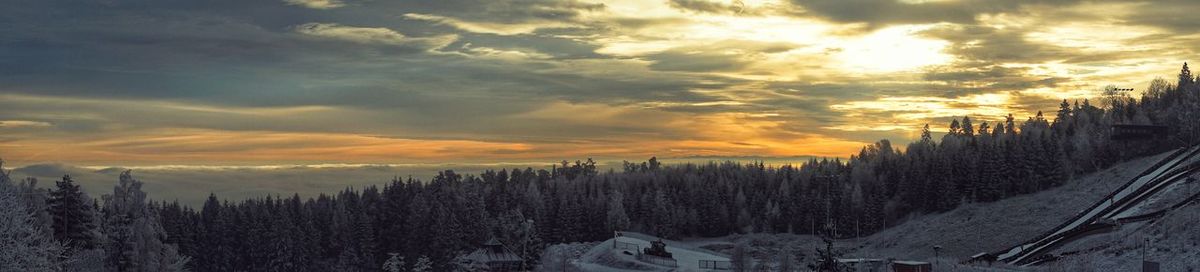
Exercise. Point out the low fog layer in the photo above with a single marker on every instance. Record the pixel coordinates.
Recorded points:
(190, 185)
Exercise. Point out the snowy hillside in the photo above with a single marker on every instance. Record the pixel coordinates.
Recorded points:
(1173, 241)
(987, 227)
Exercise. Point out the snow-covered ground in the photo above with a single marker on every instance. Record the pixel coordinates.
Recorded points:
(605, 257)
(1173, 241)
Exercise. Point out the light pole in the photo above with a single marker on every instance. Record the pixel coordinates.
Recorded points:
(936, 256)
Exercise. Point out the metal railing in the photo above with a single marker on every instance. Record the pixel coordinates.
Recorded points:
(657, 260)
(717, 265)
(625, 246)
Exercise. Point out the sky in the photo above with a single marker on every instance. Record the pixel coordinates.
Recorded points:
(157, 83)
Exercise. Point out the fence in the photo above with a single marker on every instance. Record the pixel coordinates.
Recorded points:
(671, 243)
(657, 260)
(625, 246)
(718, 265)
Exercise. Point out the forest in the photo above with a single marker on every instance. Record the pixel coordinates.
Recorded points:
(424, 225)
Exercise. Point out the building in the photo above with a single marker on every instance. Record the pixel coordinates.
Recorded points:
(865, 265)
(981, 259)
(1139, 132)
(911, 266)
(494, 256)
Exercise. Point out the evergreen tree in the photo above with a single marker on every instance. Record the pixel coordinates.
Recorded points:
(73, 215)
(968, 129)
(826, 259)
(36, 202)
(1064, 114)
(423, 265)
(926, 136)
(394, 263)
(215, 247)
(1185, 76)
(742, 211)
(617, 220)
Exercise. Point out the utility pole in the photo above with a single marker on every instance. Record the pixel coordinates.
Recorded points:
(937, 257)
(830, 227)
(1145, 244)
(857, 226)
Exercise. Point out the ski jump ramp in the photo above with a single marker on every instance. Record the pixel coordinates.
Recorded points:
(1175, 167)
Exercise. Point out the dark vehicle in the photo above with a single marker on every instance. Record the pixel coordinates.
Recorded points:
(657, 248)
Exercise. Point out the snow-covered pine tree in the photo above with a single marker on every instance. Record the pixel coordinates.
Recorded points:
(617, 220)
(664, 223)
(134, 233)
(742, 222)
(23, 245)
(424, 264)
(36, 204)
(394, 263)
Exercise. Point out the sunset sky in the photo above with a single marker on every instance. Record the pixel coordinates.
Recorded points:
(236, 82)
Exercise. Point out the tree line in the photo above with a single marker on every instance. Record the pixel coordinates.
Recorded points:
(62, 229)
(415, 225)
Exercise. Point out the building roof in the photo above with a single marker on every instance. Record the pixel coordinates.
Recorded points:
(858, 260)
(493, 251)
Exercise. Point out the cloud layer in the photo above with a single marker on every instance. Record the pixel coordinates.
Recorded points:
(147, 82)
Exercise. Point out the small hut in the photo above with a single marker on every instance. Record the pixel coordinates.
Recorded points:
(494, 256)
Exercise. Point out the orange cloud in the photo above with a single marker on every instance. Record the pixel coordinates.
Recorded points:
(723, 134)
(200, 146)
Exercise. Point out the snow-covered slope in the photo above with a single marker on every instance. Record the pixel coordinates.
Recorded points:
(1173, 241)
(987, 227)
(1114, 206)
